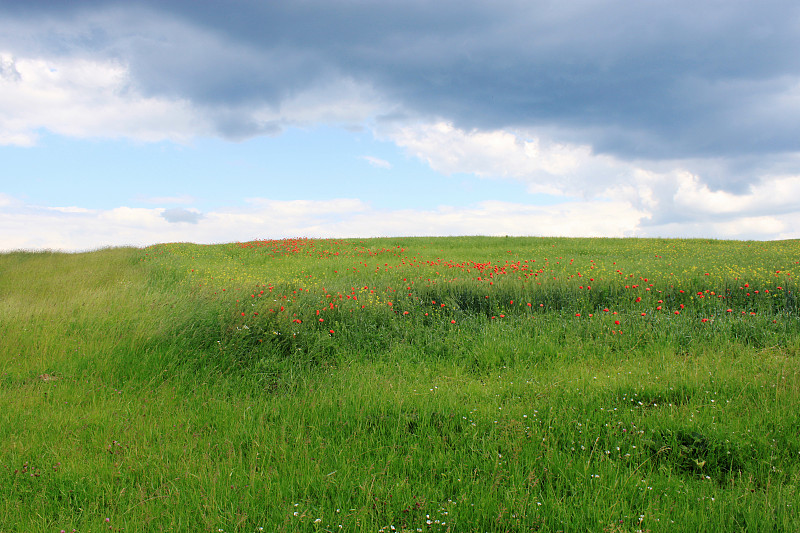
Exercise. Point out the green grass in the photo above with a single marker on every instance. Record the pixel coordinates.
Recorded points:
(194, 388)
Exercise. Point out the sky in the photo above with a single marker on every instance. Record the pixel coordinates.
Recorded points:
(141, 121)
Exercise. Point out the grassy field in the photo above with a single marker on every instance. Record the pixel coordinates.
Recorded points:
(417, 384)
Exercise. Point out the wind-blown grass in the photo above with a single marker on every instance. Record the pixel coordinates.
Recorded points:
(459, 384)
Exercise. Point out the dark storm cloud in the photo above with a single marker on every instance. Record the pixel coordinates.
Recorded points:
(640, 80)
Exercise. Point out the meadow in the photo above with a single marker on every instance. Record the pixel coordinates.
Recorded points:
(402, 385)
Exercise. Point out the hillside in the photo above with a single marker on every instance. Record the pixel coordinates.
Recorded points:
(417, 384)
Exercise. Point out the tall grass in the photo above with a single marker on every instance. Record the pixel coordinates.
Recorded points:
(194, 388)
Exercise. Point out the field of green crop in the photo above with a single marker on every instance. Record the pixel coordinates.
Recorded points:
(407, 385)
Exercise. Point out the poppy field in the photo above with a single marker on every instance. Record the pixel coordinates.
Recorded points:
(406, 384)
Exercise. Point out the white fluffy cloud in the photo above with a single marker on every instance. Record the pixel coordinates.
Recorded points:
(669, 200)
(71, 229)
(775, 194)
(544, 166)
(85, 98)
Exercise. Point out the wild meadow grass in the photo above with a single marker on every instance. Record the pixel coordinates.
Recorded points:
(419, 384)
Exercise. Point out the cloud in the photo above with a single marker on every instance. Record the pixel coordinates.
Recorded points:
(176, 215)
(70, 209)
(7, 201)
(676, 80)
(8, 70)
(30, 227)
(87, 98)
(376, 162)
(304, 208)
(545, 166)
(664, 196)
